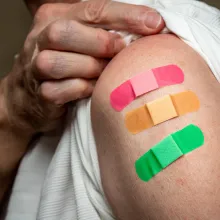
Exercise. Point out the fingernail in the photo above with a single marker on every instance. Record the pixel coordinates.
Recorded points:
(153, 19)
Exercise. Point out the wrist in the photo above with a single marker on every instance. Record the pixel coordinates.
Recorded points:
(6, 123)
(14, 143)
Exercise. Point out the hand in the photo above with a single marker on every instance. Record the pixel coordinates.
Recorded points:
(64, 53)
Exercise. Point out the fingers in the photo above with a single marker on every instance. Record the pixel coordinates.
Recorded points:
(118, 16)
(68, 35)
(54, 65)
(61, 92)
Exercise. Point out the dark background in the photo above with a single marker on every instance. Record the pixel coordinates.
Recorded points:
(15, 21)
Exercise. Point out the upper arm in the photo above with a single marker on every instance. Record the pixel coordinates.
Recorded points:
(187, 189)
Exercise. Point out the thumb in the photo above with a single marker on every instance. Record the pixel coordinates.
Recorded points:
(118, 16)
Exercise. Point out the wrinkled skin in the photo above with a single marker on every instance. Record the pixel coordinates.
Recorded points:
(64, 53)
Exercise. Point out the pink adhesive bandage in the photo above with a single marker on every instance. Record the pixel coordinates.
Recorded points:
(144, 83)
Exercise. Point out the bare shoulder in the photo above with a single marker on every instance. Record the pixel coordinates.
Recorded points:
(189, 188)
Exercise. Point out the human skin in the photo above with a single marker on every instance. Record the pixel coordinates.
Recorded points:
(188, 188)
(63, 55)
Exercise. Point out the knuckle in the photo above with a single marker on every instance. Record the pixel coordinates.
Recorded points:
(94, 11)
(53, 32)
(42, 63)
(59, 31)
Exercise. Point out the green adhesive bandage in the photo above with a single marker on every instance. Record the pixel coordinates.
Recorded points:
(168, 150)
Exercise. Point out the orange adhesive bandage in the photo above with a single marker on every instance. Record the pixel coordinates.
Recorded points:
(138, 120)
(161, 110)
(185, 102)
